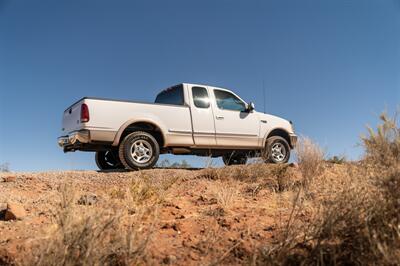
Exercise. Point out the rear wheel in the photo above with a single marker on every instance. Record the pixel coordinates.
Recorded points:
(277, 150)
(107, 160)
(139, 150)
(234, 158)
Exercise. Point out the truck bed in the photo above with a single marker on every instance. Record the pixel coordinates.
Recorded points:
(108, 116)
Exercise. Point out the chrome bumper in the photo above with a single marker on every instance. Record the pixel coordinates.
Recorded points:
(293, 140)
(81, 136)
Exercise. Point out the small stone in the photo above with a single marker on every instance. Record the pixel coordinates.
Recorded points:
(170, 259)
(269, 228)
(14, 211)
(88, 199)
(294, 165)
(173, 226)
(213, 201)
(10, 178)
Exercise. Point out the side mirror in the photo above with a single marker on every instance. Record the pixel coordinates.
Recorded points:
(250, 107)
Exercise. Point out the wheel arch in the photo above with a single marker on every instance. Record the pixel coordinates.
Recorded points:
(281, 132)
(146, 125)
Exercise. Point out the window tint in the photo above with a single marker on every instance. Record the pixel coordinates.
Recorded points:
(200, 97)
(173, 95)
(228, 101)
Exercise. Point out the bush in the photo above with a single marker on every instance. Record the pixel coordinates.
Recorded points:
(5, 167)
(382, 148)
(310, 158)
(337, 159)
(357, 222)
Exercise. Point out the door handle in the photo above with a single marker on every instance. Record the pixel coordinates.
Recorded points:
(219, 117)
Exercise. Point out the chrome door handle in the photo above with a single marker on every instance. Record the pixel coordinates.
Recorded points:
(219, 117)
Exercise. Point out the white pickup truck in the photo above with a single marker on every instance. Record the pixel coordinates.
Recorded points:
(185, 119)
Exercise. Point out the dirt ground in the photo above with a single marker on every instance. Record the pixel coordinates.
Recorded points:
(206, 216)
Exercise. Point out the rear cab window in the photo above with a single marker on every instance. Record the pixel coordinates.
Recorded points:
(173, 95)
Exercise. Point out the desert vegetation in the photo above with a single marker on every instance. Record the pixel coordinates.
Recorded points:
(318, 211)
(352, 218)
(4, 167)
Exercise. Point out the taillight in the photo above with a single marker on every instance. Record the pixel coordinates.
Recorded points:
(84, 113)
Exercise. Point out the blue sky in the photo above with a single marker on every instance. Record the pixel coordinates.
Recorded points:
(330, 66)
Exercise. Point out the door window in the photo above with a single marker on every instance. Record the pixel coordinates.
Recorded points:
(200, 97)
(228, 101)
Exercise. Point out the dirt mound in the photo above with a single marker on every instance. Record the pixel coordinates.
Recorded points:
(229, 215)
(186, 216)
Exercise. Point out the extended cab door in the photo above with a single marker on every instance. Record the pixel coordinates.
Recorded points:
(234, 126)
(202, 116)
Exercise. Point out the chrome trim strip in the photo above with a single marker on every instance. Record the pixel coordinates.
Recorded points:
(235, 135)
(204, 133)
(210, 133)
(180, 131)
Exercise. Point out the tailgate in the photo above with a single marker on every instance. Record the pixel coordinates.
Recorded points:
(71, 118)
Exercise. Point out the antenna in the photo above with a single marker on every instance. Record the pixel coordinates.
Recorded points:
(263, 87)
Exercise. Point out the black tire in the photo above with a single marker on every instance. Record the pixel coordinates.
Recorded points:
(234, 158)
(108, 160)
(277, 150)
(139, 150)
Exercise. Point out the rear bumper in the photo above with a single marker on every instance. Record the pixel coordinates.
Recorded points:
(74, 140)
(293, 140)
(86, 140)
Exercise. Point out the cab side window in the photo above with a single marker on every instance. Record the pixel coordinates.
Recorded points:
(228, 101)
(200, 97)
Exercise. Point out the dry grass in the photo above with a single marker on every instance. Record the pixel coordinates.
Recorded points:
(310, 157)
(382, 147)
(225, 193)
(94, 236)
(275, 178)
(149, 190)
(355, 220)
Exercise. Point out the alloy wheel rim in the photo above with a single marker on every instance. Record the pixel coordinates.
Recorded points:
(278, 152)
(141, 151)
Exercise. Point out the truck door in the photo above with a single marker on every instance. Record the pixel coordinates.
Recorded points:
(234, 126)
(202, 116)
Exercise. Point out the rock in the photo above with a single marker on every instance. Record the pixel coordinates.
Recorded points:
(10, 178)
(224, 223)
(269, 228)
(170, 259)
(14, 211)
(173, 226)
(294, 165)
(88, 199)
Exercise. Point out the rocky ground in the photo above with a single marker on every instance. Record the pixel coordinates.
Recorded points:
(174, 216)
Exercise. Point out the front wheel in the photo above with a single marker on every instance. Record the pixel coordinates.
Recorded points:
(139, 150)
(108, 160)
(277, 150)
